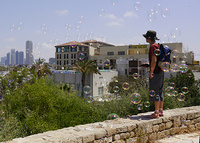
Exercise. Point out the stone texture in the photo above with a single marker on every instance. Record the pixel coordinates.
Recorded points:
(116, 137)
(161, 126)
(155, 128)
(168, 124)
(152, 136)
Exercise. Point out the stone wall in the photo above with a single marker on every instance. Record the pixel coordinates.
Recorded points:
(136, 128)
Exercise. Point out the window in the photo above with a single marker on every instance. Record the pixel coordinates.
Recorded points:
(74, 61)
(64, 56)
(110, 53)
(60, 56)
(73, 49)
(67, 56)
(59, 49)
(100, 90)
(60, 62)
(67, 62)
(74, 56)
(66, 49)
(121, 53)
(174, 60)
(80, 48)
(64, 62)
(71, 56)
(57, 62)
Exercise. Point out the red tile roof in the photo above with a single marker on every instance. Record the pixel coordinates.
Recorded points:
(95, 41)
(72, 43)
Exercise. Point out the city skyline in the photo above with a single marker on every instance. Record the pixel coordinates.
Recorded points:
(48, 23)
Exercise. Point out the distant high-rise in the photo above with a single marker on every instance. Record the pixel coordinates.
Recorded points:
(8, 59)
(13, 59)
(21, 58)
(29, 53)
(17, 58)
(3, 60)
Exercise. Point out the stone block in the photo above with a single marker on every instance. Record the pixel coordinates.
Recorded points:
(152, 136)
(110, 131)
(171, 131)
(116, 137)
(119, 141)
(197, 126)
(160, 135)
(155, 128)
(156, 121)
(176, 130)
(131, 140)
(131, 127)
(98, 133)
(132, 134)
(168, 125)
(176, 121)
(124, 135)
(87, 136)
(191, 128)
(197, 114)
(120, 128)
(161, 126)
(190, 115)
(183, 129)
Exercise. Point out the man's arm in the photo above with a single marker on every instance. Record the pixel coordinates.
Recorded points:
(153, 65)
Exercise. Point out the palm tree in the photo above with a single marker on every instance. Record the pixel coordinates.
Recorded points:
(85, 67)
(39, 68)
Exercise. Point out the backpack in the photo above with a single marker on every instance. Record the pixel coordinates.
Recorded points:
(165, 53)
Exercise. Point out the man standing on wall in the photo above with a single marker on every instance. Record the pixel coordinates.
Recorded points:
(156, 75)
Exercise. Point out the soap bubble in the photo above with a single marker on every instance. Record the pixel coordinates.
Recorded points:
(7, 92)
(137, 5)
(181, 97)
(101, 12)
(20, 26)
(183, 68)
(109, 97)
(170, 91)
(135, 76)
(175, 53)
(136, 98)
(184, 123)
(189, 75)
(175, 33)
(172, 84)
(12, 27)
(107, 62)
(184, 90)
(112, 116)
(157, 8)
(44, 28)
(140, 106)
(116, 89)
(157, 52)
(87, 89)
(114, 2)
(152, 93)
(165, 66)
(165, 12)
(175, 68)
(151, 15)
(89, 98)
(184, 58)
(147, 104)
(81, 56)
(68, 27)
(125, 86)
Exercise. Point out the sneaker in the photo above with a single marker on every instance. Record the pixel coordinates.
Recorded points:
(161, 112)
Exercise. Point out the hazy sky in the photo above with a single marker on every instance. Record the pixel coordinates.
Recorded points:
(50, 22)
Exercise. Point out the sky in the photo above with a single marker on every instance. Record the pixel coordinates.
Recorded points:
(120, 22)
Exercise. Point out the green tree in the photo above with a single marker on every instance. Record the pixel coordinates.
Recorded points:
(40, 68)
(86, 67)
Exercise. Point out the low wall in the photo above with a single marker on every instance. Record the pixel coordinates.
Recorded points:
(136, 128)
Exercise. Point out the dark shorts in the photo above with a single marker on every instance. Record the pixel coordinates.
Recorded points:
(156, 84)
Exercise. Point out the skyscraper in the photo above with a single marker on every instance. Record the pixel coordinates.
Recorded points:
(29, 53)
(13, 59)
(8, 59)
(17, 58)
(21, 58)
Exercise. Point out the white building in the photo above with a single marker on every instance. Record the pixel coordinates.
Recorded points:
(98, 83)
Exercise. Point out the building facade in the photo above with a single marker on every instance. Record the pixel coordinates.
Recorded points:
(21, 58)
(29, 53)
